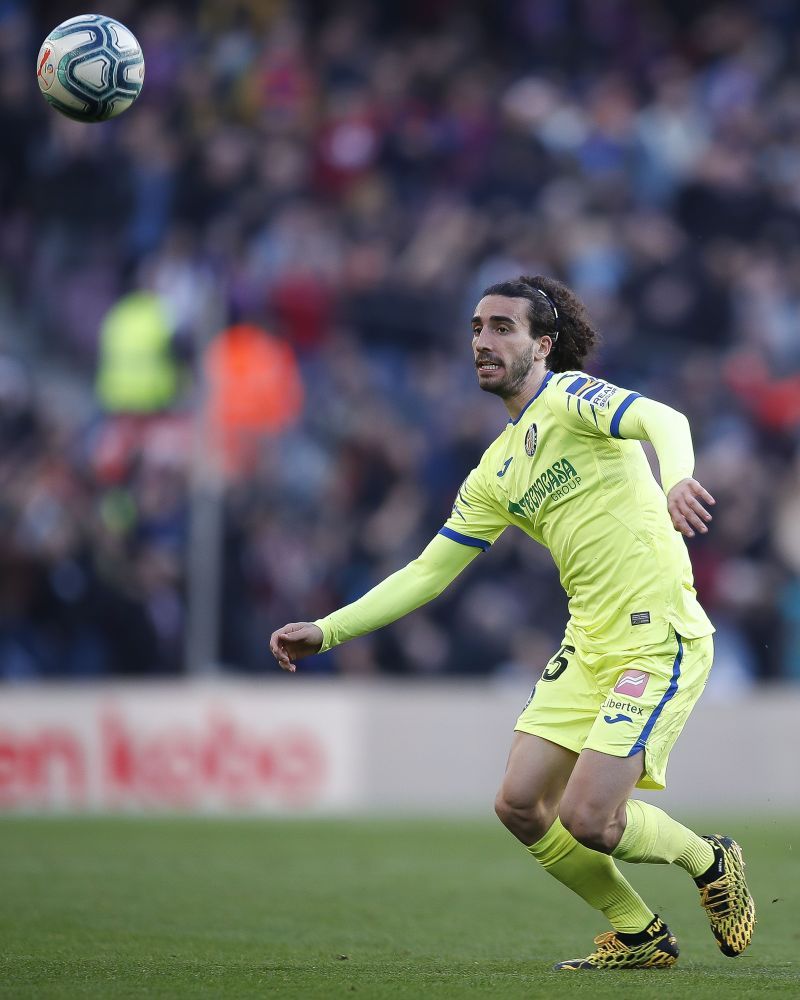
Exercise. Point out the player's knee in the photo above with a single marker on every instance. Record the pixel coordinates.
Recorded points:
(589, 827)
(504, 810)
(529, 821)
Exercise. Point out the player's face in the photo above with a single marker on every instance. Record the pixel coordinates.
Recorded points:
(502, 344)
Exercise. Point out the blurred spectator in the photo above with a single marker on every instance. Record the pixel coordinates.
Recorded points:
(350, 177)
(136, 373)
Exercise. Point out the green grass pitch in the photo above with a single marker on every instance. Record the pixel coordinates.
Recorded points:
(111, 908)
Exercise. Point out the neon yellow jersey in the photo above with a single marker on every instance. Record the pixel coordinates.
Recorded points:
(563, 473)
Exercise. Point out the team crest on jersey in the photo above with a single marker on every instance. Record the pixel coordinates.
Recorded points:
(531, 440)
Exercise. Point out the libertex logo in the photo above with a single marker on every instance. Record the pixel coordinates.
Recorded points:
(632, 683)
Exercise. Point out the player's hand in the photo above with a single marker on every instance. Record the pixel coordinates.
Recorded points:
(685, 508)
(293, 642)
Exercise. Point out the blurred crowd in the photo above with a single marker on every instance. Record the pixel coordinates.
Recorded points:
(348, 177)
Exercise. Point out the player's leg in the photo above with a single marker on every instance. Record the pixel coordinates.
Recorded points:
(597, 808)
(548, 737)
(527, 804)
(592, 809)
(551, 730)
(646, 707)
(536, 775)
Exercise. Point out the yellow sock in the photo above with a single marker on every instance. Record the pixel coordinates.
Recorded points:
(594, 877)
(653, 837)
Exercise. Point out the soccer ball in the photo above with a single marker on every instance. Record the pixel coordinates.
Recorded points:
(90, 68)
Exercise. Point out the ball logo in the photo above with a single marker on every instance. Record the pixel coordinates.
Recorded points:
(46, 71)
(632, 683)
(531, 440)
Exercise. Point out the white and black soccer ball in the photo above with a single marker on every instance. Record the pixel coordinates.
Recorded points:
(90, 68)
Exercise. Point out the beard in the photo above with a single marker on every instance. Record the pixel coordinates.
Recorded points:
(514, 378)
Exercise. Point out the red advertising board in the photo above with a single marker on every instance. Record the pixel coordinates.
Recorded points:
(226, 748)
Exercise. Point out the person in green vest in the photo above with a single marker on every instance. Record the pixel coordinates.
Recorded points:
(137, 371)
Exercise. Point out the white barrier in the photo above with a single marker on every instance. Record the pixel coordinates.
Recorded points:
(296, 746)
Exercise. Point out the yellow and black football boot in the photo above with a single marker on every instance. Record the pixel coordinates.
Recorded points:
(653, 948)
(725, 897)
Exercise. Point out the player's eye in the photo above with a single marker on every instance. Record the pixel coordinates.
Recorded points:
(502, 328)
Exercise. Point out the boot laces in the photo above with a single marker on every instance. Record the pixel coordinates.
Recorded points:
(716, 896)
(608, 942)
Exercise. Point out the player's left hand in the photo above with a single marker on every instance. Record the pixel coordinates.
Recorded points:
(687, 512)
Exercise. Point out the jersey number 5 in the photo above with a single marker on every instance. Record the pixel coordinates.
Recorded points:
(556, 667)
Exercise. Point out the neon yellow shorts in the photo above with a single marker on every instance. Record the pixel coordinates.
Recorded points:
(620, 703)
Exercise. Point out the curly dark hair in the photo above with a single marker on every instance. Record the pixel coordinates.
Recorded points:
(576, 339)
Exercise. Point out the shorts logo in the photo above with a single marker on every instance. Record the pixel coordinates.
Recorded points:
(531, 440)
(619, 717)
(632, 683)
(622, 706)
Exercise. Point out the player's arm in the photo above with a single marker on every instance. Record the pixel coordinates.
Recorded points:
(409, 588)
(668, 432)
(589, 405)
(471, 528)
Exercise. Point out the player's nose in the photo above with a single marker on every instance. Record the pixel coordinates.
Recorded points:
(481, 341)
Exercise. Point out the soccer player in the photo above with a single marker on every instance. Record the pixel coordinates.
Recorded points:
(568, 470)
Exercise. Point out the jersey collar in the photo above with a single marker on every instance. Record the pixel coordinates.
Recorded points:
(538, 393)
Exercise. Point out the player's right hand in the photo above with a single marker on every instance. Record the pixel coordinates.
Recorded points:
(293, 642)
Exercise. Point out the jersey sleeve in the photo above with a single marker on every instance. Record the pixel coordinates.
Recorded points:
(589, 405)
(669, 433)
(423, 579)
(475, 520)
(592, 406)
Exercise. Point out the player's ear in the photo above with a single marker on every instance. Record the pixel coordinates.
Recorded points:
(544, 347)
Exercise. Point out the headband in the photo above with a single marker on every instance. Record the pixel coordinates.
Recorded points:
(553, 307)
